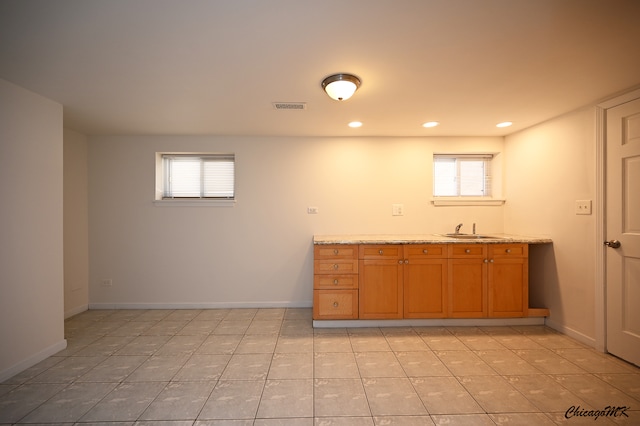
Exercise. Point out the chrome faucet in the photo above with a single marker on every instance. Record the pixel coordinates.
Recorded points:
(458, 228)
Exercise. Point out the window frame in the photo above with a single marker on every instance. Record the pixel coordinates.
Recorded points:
(161, 197)
(491, 184)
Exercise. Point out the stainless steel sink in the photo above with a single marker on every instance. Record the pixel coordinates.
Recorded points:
(468, 236)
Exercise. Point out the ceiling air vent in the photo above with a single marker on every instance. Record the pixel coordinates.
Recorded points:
(296, 106)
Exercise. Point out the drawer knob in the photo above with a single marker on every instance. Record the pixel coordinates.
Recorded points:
(335, 251)
(336, 266)
(400, 262)
(381, 252)
(491, 261)
(486, 261)
(467, 251)
(335, 304)
(406, 261)
(508, 250)
(335, 282)
(425, 251)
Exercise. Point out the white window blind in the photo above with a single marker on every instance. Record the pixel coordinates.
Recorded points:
(462, 175)
(209, 176)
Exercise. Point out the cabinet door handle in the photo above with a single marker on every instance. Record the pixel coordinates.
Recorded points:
(400, 262)
(467, 251)
(381, 252)
(508, 250)
(335, 304)
(486, 261)
(406, 261)
(491, 261)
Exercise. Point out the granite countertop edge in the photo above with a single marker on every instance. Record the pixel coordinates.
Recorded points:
(426, 239)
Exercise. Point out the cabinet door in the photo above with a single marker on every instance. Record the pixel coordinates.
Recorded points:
(508, 287)
(425, 288)
(380, 284)
(467, 288)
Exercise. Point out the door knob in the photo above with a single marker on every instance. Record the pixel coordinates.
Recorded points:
(612, 243)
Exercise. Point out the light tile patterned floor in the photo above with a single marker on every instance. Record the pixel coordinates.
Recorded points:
(268, 367)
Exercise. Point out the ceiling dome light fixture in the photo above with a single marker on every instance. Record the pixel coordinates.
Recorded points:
(341, 86)
(355, 124)
(504, 124)
(430, 124)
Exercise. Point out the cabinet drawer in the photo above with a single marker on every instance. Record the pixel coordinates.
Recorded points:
(335, 304)
(425, 251)
(335, 266)
(500, 251)
(380, 251)
(331, 281)
(467, 251)
(335, 251)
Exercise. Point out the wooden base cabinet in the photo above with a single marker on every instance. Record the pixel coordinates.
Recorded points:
(403, 281)
(425, 281)
(488, 280)
(380, 284)
(335, 282)
(393, 281)
(508, 276)
(467, 280)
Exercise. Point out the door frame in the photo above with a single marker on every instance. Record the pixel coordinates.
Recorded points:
(601, 217)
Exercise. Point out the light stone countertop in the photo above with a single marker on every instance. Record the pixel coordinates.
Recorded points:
(425, 239)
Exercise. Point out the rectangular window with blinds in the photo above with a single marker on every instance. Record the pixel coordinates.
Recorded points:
(198, 176)
(462, 175)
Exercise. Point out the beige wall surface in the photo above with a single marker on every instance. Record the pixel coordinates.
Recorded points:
(31, 245)
(258, 252)
(548, 167)
(76, 223)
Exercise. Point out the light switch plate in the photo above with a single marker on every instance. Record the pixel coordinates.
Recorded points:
(583, 206)
(397, 209)
(312, 210)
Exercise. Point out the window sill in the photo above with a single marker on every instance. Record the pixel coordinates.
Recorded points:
(454, 201)
(195, 203)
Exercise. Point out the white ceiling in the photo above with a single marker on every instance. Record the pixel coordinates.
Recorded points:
(216, 66)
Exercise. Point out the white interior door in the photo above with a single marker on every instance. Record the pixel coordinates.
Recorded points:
(623, 230)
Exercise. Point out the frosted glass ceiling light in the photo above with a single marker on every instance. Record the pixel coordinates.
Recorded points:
(340, 86)
(504, 124)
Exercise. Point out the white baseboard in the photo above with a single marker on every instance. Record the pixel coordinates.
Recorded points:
(32, 360)
(75, 311)
(221, 305)
(580, 337)
(436, 322)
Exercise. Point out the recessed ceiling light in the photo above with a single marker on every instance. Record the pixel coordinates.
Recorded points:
(504, 124)
(355, 124)
(430, 124)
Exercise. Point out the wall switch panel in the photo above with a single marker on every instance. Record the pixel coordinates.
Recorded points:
(107, 283)
(312, 210)
(397, 209)
(583, 206)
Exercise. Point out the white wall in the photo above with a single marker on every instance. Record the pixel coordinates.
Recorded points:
(76, 223)
(259, 252)
(547, 168)
(31, 264)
